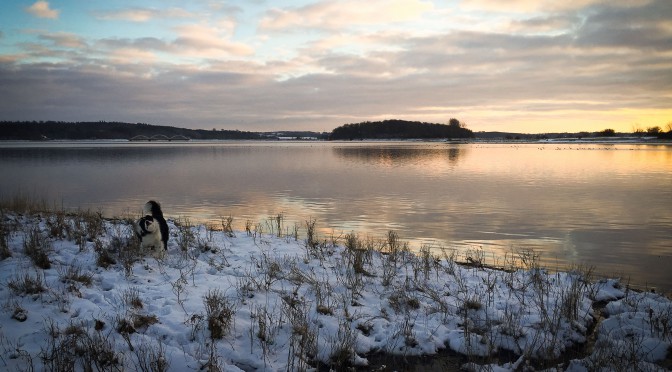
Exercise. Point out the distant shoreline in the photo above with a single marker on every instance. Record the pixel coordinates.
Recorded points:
(600, 141)
(392, 129)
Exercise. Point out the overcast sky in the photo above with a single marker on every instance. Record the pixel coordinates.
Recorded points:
(517, 65)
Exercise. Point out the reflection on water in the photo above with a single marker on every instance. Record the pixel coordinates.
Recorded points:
(395, 156)
(590, 204)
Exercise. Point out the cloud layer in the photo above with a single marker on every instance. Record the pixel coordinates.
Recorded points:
(586, 65)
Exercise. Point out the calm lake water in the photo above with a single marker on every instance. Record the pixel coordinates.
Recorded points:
(590, 204)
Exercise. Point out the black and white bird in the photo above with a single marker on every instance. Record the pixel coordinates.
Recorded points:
(152, 229)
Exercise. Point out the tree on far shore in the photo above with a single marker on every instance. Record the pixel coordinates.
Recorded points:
(607, 133)
(654, 131)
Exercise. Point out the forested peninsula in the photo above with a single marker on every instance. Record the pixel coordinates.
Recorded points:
(401, 129)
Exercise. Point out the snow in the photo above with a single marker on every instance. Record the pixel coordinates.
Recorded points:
(285, 302)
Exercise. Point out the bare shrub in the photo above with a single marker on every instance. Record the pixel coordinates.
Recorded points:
(357, 254)
(59, 353)
(511, 322)
(392, 251)
(58, 226)
(245, 288)
(401, 302)
(389, 269)
(206, 244)
(179, 288)
(130, 324)
(266, 329)
(343, 345)
(269, 271)
(150, 357)
(195, 322)
(61, 296)
(449, 256)
(84, 227)
(104, 257)
(75, 345)
(392, 242)
(324, 299)
(219, 313)
(4, 238)
(248, 227)
(125, 328)
(93, 222)
(570, 298)
(19, 313)
(131, 297)
(425, 262)
(71, 274)
(529, 259)
(143, 321)
(475, 257)
(37, 247)
(311, 235)
(27, 284)
(185, 235)
(472, 303)
(276, 223)
(227, 226)
(295, 232)
(127, 249)
(304, 336)
(316, 247)
(405, 331)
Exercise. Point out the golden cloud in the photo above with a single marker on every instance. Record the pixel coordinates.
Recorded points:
(41, 9)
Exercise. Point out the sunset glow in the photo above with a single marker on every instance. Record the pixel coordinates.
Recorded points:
(529, 66)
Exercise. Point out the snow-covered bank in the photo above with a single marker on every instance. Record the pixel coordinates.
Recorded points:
(76, 293)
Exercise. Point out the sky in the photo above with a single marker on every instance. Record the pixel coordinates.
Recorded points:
(531, 66)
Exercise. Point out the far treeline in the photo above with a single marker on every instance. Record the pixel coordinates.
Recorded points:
(59, 130)
(387, 129)
(400, 129)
